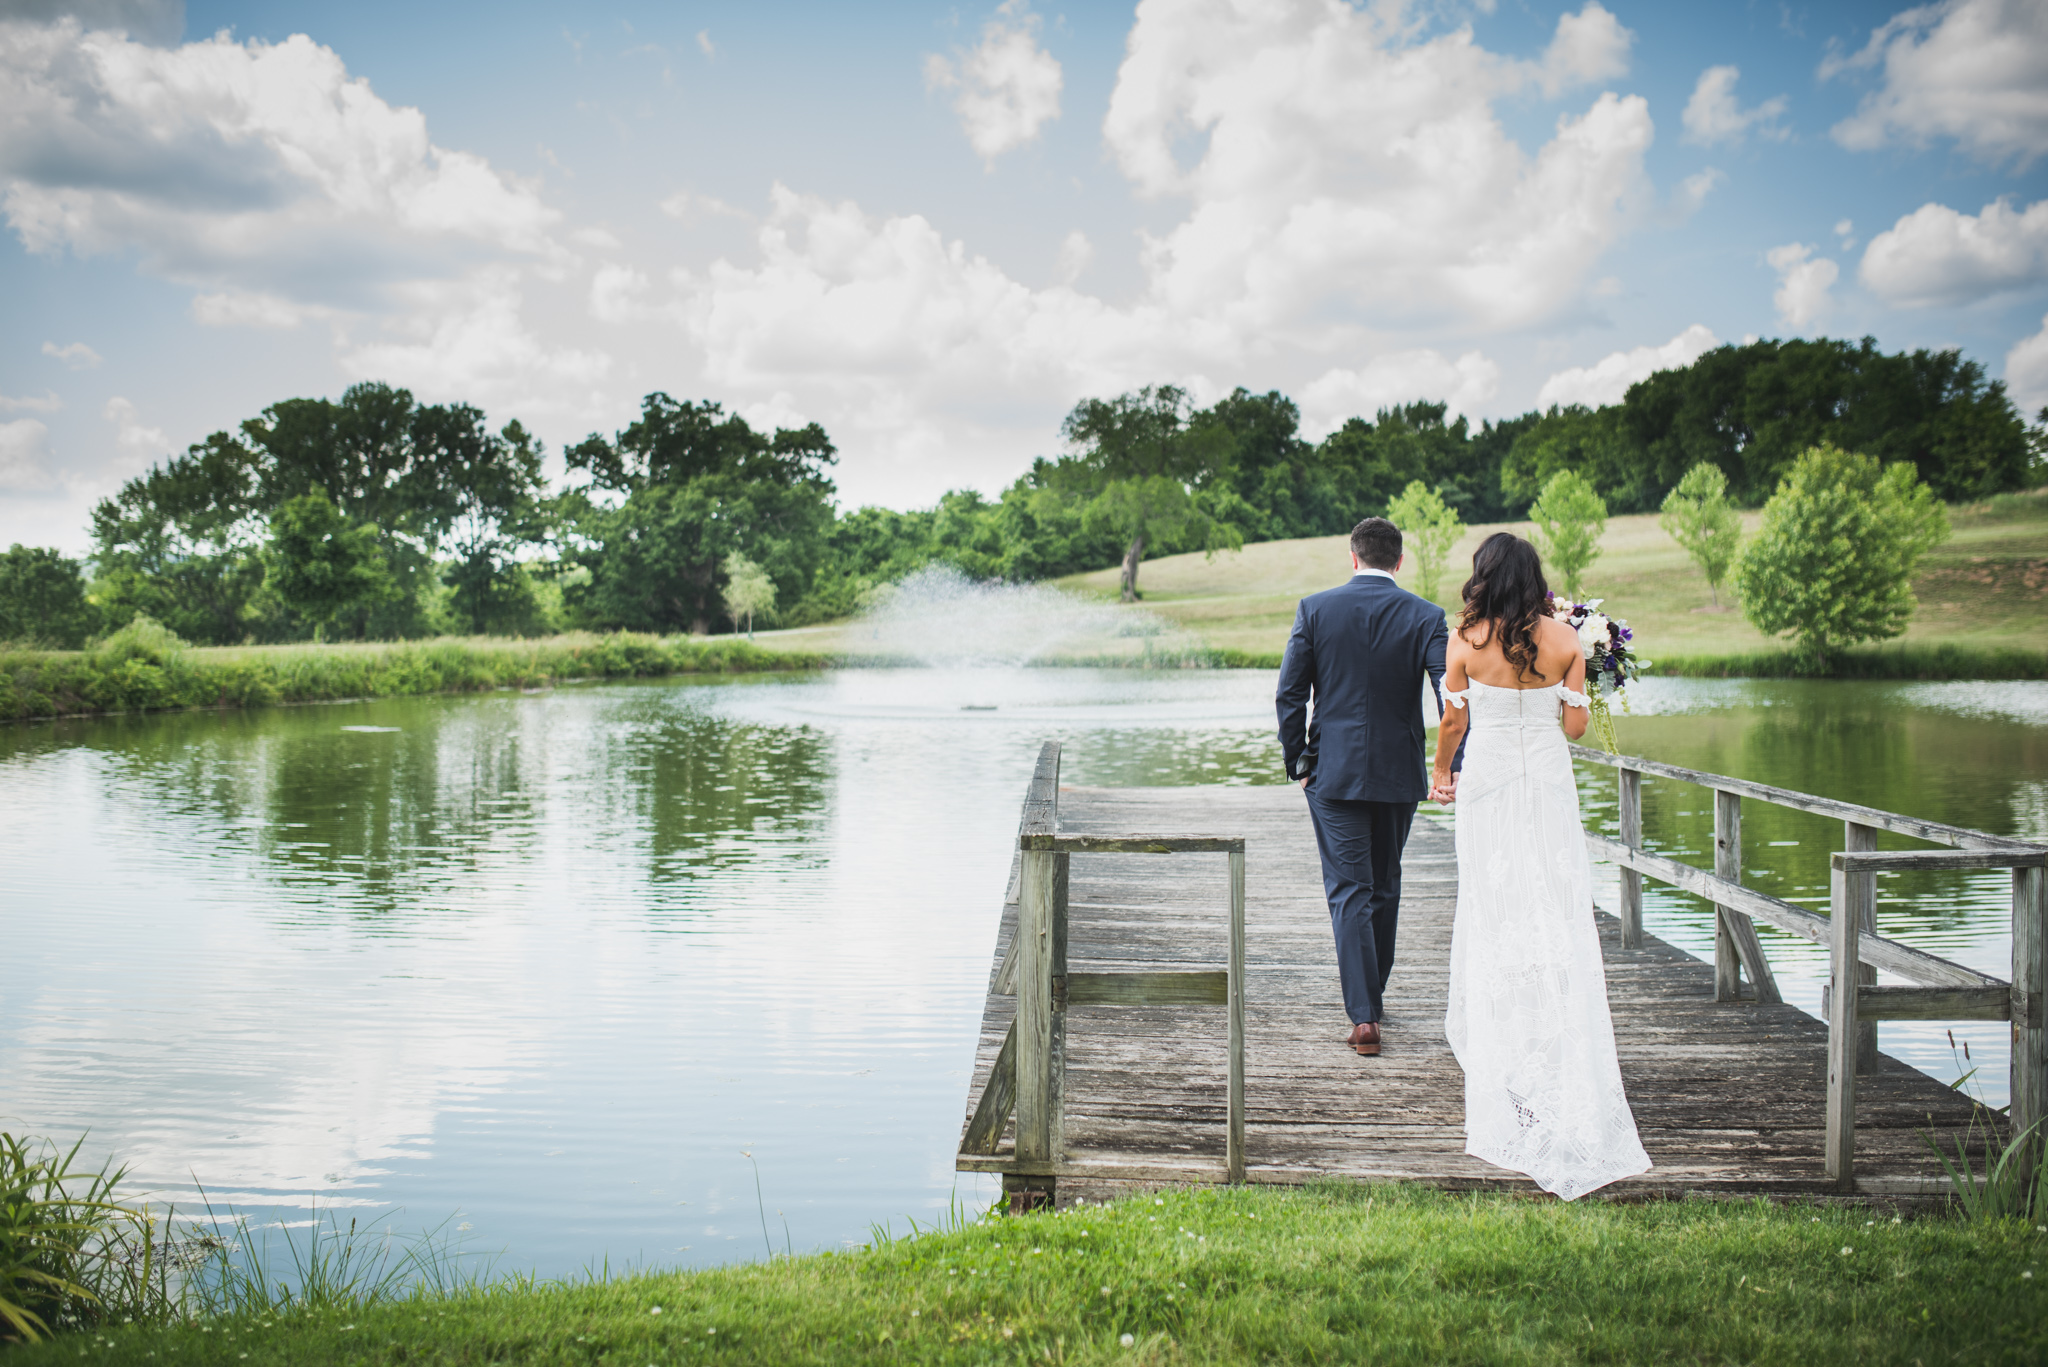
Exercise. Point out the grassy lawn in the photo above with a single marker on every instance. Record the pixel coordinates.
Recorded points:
(1327, 1274)
(1988, 586)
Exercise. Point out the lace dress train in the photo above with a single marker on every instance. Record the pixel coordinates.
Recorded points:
(1528, 1016)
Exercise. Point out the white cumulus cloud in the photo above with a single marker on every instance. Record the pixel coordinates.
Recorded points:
(1464, 385)
(468, 339)
(25, 457)
(1803, 283)
(1714, 115)
(1606, 381)
(48, 403)
(1975, 71)
(1936, 255)
(1587, 47)
(1006, 87)
(74, 355)
(131, 434)
(1337, 164)
(277, 186)
(2026, 372)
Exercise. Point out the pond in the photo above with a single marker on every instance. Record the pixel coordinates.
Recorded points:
(684, 972)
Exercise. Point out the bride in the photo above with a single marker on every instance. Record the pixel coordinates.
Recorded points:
(1528, 1003)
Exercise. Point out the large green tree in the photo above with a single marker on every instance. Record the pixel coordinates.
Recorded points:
(181, 543)
(1141, 463)
(42, 598)
(326, 566)
(697, 485)
(1833, 562)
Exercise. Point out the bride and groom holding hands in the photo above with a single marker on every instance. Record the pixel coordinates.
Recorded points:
(1528, 1018)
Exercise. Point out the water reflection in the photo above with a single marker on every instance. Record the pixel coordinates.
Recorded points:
(553, 961)
(1971, 754)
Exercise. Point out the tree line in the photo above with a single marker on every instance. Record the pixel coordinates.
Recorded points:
(374, 516)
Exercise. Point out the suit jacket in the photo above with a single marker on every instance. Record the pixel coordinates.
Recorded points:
(1362, 650)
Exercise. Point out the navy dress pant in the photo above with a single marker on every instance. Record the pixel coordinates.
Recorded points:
(1361, 843)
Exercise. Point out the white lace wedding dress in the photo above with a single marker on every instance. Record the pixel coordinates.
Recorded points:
(1528, 1013)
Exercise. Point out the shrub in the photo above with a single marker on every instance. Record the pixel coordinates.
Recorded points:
(1833, 563)
(1569, 518)
(1429, 529)
(1698, 517)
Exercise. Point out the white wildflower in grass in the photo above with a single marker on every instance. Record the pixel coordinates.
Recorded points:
(1105, 1291)
(1008, 1332)
(1846, 1250)
(913, 1314)
(1127, 1340)
(655, 1310)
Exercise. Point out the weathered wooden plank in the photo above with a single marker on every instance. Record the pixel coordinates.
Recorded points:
(1034, 1008)
(1205, 988)
(1735, 940)
(1939, 832)
(2029, 1005)
(998, 1100)
(1631, 911)
(1845, 928)
(1856, 838)
(1891, 861)
(1233, 1149)
(1888, 955)
(1135, 844)
(1729, 1098)
(1875, 1003)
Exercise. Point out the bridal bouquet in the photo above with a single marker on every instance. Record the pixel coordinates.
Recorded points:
(1611, 661)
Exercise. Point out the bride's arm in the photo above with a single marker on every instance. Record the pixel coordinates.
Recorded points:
(1576, 718)
(1451, 724)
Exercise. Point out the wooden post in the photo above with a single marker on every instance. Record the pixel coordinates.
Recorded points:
(1233, 1144)
(1736, 946)
(1727, 864)
(1056, 1091)
(1034, 1006)
(1864, 839)
(1631, 836)
(1843, 932)
(2029, 1028)
(1041, 944)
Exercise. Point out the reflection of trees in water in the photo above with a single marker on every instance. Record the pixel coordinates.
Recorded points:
(1168, 757)
(641, 785)
(704, 793)
(1853, 744)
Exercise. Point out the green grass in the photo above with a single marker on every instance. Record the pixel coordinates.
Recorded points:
(1383, 1275)
(142, 668)
(1983, 597)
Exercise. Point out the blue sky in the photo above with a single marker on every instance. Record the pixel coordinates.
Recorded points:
(934, 228)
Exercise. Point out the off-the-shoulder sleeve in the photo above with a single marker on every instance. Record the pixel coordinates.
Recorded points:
(1571, 699)
(1456, 696)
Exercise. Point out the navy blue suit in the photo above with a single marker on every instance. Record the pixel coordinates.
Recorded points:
(1361, 650)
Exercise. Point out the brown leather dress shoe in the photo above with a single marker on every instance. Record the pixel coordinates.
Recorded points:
(1365, 1038)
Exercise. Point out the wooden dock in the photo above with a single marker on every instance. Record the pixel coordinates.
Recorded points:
(1730, 1096)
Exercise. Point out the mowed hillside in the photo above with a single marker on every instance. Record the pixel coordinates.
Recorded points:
(1988, 586)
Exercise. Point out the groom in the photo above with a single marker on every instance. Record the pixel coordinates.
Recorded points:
(1361, 652)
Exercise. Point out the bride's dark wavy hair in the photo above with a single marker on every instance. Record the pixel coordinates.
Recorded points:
(1508, 594)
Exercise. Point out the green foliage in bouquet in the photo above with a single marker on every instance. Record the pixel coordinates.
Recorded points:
(1833, 563)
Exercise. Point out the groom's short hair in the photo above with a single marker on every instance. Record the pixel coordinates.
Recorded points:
(1377, 543)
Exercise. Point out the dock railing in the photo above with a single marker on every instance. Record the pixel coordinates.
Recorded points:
(1029, 1074)
(1938, 990)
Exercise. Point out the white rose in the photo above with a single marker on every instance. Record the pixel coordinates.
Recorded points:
(1593, 635)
